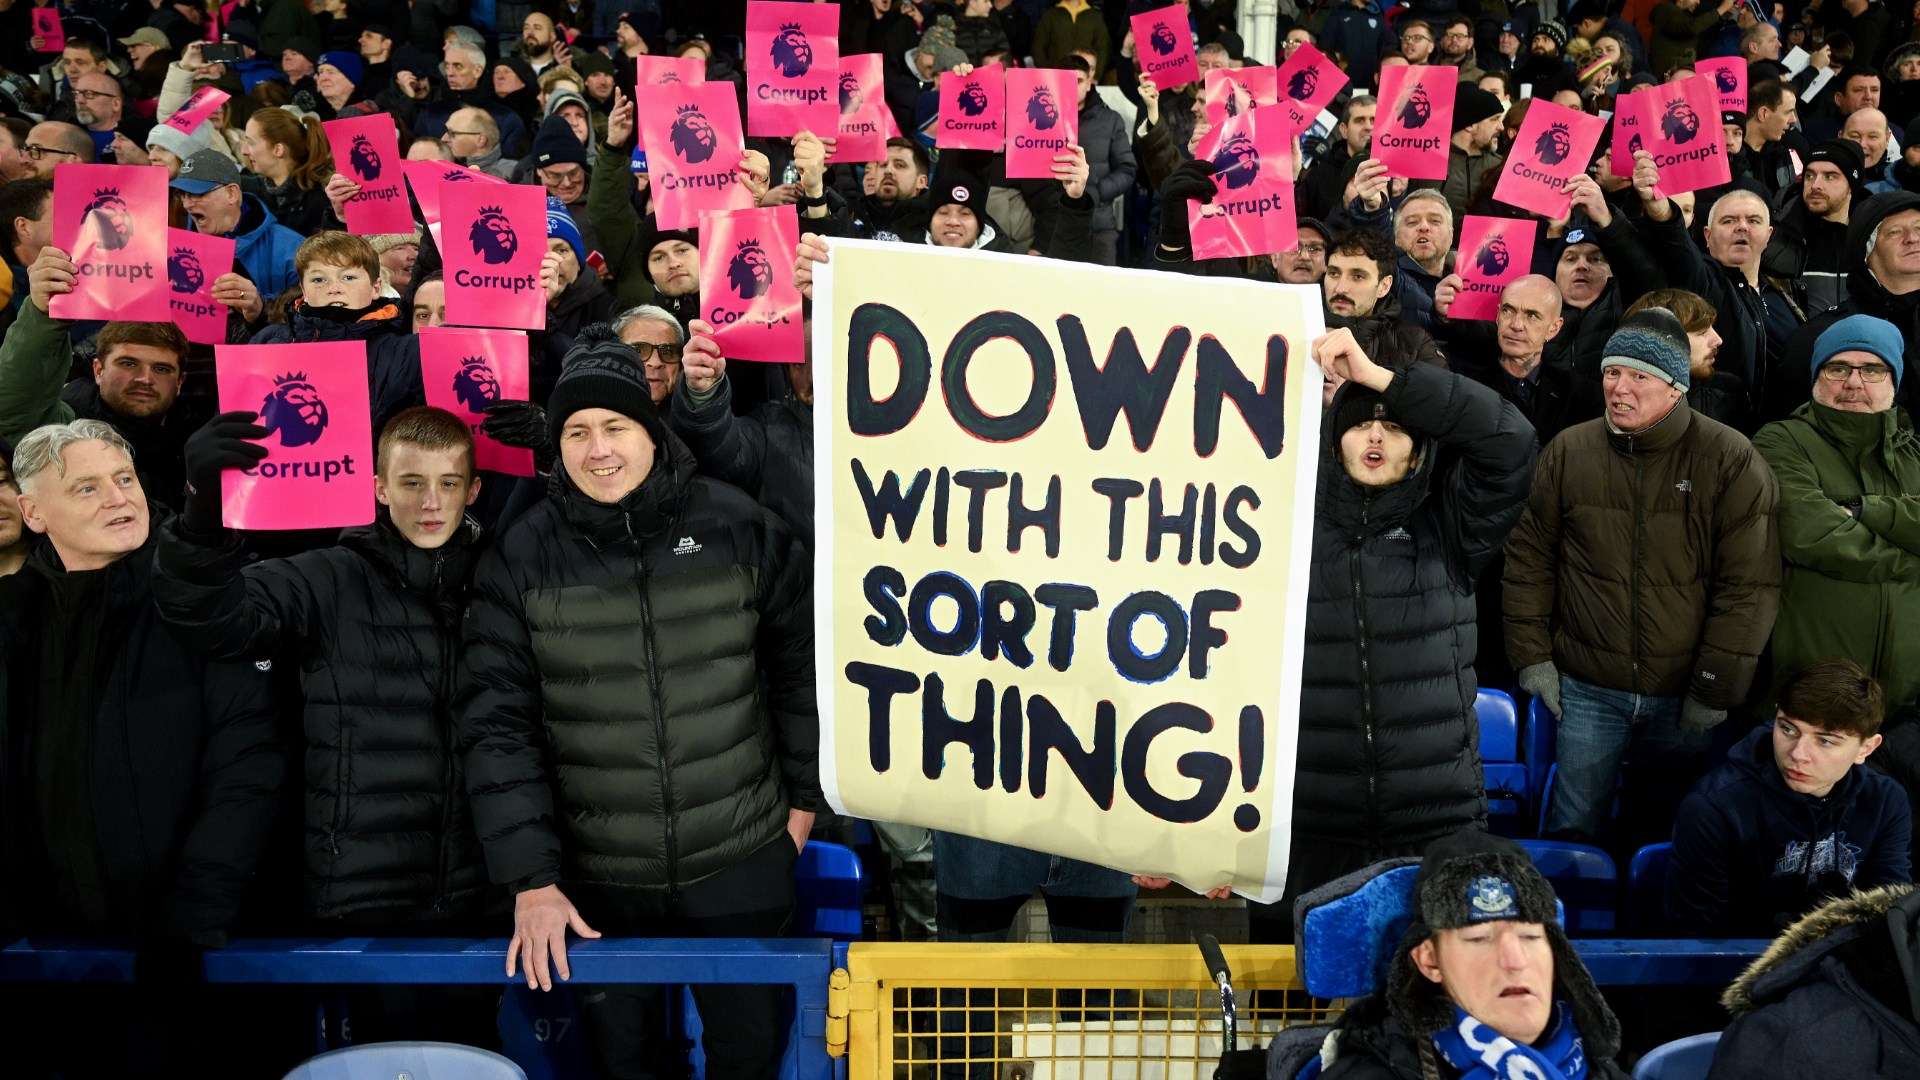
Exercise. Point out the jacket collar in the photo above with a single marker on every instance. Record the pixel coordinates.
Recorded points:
(647, 511)
(1795, 955)
(1856, 433)
(416, 569)
(1670, 429)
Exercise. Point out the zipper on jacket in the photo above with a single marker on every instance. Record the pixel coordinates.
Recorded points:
(340, 792)
(1635, 552)
(659, 714)
(1366, 677)
(443, 717)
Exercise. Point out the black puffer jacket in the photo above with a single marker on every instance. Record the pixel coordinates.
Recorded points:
(768, 454)
(186, 771)
(637, 688)
(393, 351)
(1388, 749)
(375, 624)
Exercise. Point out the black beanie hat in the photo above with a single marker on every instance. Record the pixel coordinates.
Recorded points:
(1842, 154)
(1358, 405)
(959, 187)
(556, 144)
(603, 372)
(652, 236)
(1472, 105)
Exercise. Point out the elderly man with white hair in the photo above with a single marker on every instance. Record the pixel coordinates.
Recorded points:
(140, 777)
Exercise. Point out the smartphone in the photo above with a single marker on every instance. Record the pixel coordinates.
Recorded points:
(223, 53)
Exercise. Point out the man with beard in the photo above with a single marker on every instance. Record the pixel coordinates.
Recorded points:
(673, 266)
(140, 777)
(1545, 66)
(538, 42)
(15, 539)
(894, 210)
(137, 374)
(1358, 291)
(1808, 249)
(1737, 229)
(1885, 284)
(1456, 48)
(99, 102)
(52, 143)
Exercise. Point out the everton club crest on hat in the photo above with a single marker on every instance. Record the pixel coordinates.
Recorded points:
(1490, 897)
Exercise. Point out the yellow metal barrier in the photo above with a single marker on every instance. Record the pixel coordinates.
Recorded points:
(1053, 1012)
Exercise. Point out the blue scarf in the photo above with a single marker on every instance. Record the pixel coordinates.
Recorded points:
(1481, 1053)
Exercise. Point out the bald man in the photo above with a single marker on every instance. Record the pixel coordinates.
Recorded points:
(1867, 129)
(54, 142)
(1505, 355)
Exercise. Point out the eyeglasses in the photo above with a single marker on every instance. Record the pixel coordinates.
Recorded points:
(35, 151)
(1416, 38)
(89, 95)
(451, 132)
(1869, 373)
(664, 355)
(1459, 35)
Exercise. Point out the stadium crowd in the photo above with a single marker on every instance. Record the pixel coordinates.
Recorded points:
(1671, 491)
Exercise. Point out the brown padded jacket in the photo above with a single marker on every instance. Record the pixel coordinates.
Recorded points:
(1647, 562)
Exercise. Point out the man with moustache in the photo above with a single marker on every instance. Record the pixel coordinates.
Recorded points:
(1306, 262)
(1358, 291)
(138, 370)
(1808, 249)
(538, 42)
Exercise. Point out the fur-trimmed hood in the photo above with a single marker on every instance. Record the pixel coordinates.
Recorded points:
(1800, 949)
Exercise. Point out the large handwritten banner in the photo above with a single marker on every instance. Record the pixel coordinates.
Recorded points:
(1061, 573)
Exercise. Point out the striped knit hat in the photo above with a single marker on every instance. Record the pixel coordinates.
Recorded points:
(1651, 340)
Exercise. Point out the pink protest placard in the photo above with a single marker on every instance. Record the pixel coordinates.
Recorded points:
(793, 67)
(1494, 253)
(1252, 212)
(194, 260)
(46, 24)
(746, 283)
(1308, 81)
(1414, 127)
(1729, 75)
(1629, 120)
(661, 70)
(112, 221)
(1230, 94)
(863, 110)
(1164, 45)
(1043, 119)
(973, 110)
(1682, 130)
(1554, 145)
(312, 398)
(194, 111)
(465, 370)
(426, 178)
(493, 238)
(367, 149)
(692, 138)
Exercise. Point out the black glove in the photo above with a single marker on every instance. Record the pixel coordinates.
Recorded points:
(228, 441)
(1191, 182)
(523, 425)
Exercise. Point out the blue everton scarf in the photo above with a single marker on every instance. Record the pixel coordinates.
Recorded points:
(1481, 1053)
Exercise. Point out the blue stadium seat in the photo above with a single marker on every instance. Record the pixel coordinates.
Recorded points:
(1539, 751)
(1585, 880)
(828, 892)
(1499, 726)
(384, 1061)
(1647, 886)
(1690, 1058)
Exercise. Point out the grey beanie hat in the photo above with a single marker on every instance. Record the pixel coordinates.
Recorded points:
(1654, 341)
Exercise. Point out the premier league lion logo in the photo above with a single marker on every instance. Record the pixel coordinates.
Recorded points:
(111, 218)
(1162, 40)
(1493, 257)
(973, 99)
(475, 385)
(850, 95)
(1724, 80)
(1680, 123)
(295, 410)
(1418, 109)
(493, 237)
(1042, 110)
(1635, 144)
(1237, 163)
(364, 158)
(667, 77)
(1303, 83)
(184, 272)
(792, 54)
(750, 273)
(1554, 145)
(459, 176)
(692, 136)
